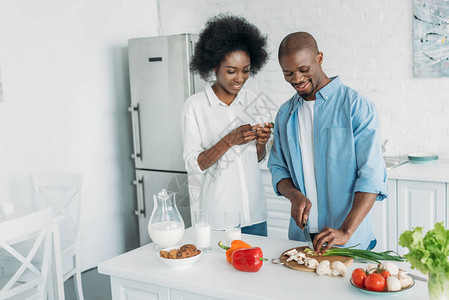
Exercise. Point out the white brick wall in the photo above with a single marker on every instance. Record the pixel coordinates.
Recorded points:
(368, 43)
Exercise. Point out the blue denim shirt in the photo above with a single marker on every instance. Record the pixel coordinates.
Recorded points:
(347, 151)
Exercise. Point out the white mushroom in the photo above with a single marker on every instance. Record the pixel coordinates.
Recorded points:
(338, 269)
(324, 268)
(371, 268)
(299, 261)
(390, 267)
(405, 281)
(393, 284)
(402, 273)
(291, 258)
(296, 257)
(311, 263)
(291, 252)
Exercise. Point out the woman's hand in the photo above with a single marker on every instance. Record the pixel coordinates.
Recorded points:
(240, 136)
(263, 133)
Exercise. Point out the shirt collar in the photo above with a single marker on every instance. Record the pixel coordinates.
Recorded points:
(213, 99)
(326, 91)
(330, 88)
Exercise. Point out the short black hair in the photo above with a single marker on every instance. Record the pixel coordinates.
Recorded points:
(225, 34)
(296, 42)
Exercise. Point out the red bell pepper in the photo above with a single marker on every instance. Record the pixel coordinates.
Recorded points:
(248, 259)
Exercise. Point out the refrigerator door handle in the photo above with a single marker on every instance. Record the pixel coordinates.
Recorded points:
(192, 80)
(135, 118)
(140, 198)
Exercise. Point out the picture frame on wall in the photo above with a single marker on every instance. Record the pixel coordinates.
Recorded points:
(430, 38)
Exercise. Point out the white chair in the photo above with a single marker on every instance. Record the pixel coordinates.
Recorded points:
(63, 192)
(35, 228)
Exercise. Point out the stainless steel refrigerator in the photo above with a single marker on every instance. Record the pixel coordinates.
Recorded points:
(160, 82)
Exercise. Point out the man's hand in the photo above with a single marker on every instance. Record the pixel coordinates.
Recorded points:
(301, 205)
(362, 204)
(330, 237)
(300, 210)
(240, 136)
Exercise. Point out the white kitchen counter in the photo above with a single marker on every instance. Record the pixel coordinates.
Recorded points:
(213, 277)
(435, 171)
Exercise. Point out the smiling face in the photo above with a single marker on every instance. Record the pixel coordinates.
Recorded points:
(231, 74)
(303, 71)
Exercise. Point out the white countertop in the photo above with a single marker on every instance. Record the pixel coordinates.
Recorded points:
(213, 276)
(436, 171)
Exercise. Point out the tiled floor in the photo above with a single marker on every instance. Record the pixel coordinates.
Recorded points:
(95, 286)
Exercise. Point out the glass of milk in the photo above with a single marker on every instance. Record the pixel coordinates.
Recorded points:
(232, 226)
(202, 230)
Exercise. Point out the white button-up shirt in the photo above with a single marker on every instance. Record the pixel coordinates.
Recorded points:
(234, 182)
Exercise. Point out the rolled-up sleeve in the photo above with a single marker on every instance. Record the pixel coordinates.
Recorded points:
(276, 162)
(371, 173)
(191, 140)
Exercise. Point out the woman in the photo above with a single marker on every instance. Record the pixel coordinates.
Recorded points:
(222, 142)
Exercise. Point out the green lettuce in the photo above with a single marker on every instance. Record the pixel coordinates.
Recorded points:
(428, 254)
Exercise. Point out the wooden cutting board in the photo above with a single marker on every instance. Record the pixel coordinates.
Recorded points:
(294, 265)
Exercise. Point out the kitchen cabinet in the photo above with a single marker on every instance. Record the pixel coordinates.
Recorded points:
(125, 289)
(422, 197)
(420, 203)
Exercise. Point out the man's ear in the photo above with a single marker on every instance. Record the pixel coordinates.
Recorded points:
(319, 57)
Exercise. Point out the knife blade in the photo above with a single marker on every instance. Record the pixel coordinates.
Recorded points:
(307, 235)
(416, 277)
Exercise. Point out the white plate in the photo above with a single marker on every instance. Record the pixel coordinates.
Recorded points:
(419, 158)
(382, 294)
(179, 262)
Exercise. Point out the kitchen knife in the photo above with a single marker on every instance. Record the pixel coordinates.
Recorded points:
(307, 235)
(417, 277)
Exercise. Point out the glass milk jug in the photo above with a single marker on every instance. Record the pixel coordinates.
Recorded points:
(166, 226)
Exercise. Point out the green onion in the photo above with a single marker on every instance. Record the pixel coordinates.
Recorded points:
(360, 255)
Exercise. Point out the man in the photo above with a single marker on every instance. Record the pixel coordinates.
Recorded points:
(326, 157)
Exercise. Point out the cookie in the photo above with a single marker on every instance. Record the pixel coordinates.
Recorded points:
(164, 254)
(187, 252)
(173, 253)
(190, 247)
(181, 254)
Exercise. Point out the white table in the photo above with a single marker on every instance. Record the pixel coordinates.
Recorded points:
(139, 275)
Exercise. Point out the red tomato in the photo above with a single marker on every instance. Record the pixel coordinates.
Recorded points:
(358, 277)
(384, 274)
(375, 282)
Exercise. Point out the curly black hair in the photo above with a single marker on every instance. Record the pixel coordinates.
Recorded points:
(224, 34)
